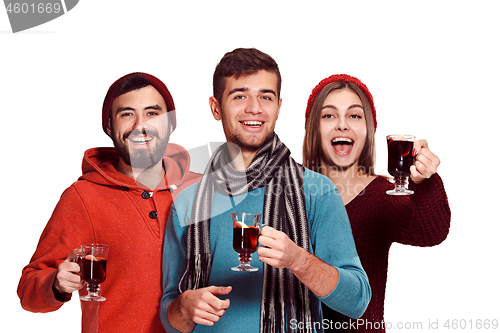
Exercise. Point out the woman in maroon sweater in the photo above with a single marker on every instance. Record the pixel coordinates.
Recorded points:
(339, 143)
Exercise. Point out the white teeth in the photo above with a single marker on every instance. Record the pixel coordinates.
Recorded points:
(141, 139)
(342, 140)
(252, 123)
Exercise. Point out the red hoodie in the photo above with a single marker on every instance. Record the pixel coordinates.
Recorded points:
(104, 206)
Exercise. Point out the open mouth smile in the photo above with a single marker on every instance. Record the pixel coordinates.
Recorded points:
(141, 140)
(252, 123)
(342, 146)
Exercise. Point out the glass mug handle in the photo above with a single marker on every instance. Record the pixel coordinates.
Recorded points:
(78, 258)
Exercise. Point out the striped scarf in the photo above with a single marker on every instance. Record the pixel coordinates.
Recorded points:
(284, 297)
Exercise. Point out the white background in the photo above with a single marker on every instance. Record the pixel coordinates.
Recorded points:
(432, 67)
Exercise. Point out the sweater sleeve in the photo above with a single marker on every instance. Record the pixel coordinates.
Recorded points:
(421, 219)
(333, 243)
(174, 251)
(65, 231)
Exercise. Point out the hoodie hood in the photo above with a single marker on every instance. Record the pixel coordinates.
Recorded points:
(98, 166)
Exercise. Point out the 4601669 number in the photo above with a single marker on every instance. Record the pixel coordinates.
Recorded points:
(40, 8)
(478, 324)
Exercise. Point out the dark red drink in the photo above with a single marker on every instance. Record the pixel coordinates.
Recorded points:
(400, 157)
(245, 239)
(93, 269)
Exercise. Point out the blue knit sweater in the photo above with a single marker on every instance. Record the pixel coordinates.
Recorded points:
(330, 240)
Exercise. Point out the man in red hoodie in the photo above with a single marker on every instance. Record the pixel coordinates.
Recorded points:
(122, 199)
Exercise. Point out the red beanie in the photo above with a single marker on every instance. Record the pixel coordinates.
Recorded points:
(341, 78)
(115, 88)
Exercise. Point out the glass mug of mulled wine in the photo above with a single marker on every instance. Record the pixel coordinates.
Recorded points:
(92, 260)
(400, 159)
(246, 229)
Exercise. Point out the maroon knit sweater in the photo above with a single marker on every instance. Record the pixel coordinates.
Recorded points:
(378, 220)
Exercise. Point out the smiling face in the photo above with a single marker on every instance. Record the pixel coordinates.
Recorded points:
(139, 127)
(249, 109)
(342, 129)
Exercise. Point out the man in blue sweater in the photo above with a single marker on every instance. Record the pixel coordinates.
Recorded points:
(307, 253)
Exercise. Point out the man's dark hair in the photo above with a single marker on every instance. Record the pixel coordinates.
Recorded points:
(242, 62)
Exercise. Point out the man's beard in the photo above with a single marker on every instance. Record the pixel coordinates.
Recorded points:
(141, 158)
(252, 145)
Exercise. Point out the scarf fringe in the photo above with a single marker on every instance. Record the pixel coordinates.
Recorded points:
(197, 264)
